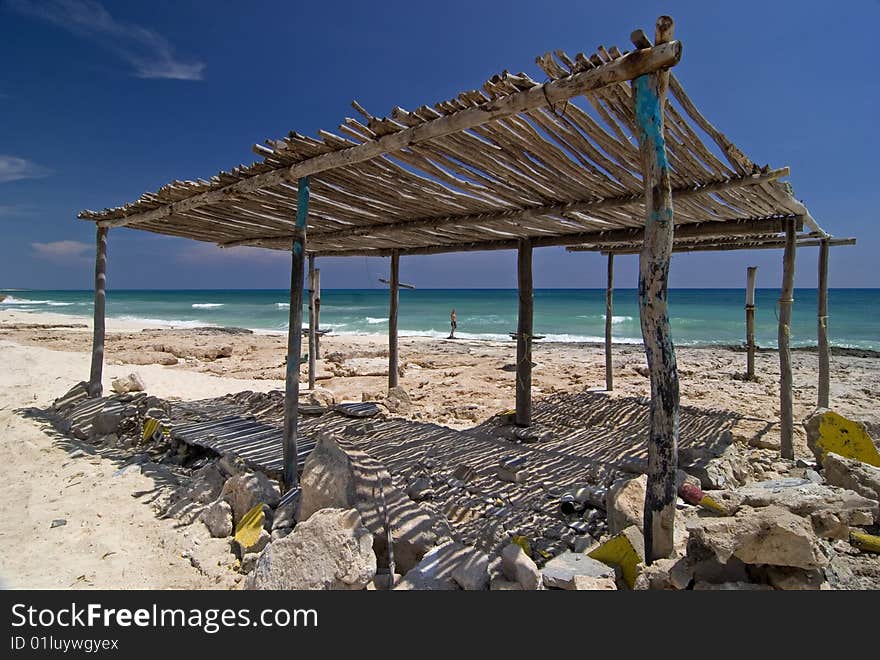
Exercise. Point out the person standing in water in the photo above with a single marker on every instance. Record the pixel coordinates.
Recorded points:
(453, 324)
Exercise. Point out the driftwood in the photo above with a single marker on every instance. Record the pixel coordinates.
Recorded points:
(609, 320)
(313, 324)
(96, 387)
(786, 300)
(822, 313)
(524, 335)
(649, 94)
(393, 302)
(751, 274)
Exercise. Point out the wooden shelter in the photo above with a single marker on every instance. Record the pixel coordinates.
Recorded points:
(597, 154)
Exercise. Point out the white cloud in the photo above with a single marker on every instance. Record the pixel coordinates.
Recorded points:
(62, 251)
(13, 168)
(149, 53)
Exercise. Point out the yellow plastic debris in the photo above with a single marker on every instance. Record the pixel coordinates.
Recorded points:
(708, 503)
(248, 530)
(847, 438)
(865, 541)
(523, 542)
(625, 551)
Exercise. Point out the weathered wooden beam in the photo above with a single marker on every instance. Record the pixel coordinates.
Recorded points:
(786, 300)
(635, 234)
(822, 327)
(622, 69)
(294, 338)
(751, 275)
(317, 288)
(394, 299)
(730, 245)
(649, 94)
(313, 325)
(609, 320)
(524, 334)
(96, 387)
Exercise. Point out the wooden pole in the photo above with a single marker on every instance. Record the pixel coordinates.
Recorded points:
(649, 95)
(393, 288)
(294, 338)
(96, 387)
(524, 335)
(751, 274)
(609, 319)
(824, 360)
(786, 300)
(317, 313)
(313, 365)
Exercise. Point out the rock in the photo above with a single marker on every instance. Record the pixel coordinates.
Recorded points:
(853, 475)
(330, 550)
(107, 421)
(561, 571)
(770, 535)
(725, 466)
(334, 476)
(796, 579)
(589, 583)
(218, 519)
(501, 584)
(625, 552)
(517, 566)
(420, 489)
(253, 545)
(248, 562)
(321, 396)
(829, 432)
(671, 573)
(625, 503)
(831, 509)
(230, 464)
(130, 383)
(435, 571)
(243, 491)
(471, 573)
(398, 401)
(731, 586)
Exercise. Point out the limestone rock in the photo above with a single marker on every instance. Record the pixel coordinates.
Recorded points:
(561, 571)
(853, 475)
(517, 566)
(671, 573)
(321, 396)
(328, 479)
(130, 383)
(502, 584)
(330, 550)
(218, 519)
(589, 583)
(471, 573)
(625, 503)
(796, 579)
(435, 571)
(770, 535)
(731, 586)
(107, 421)
(420, 489)
(398, 400)
(243, 491)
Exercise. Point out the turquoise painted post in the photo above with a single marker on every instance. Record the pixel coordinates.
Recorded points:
(649, 95)
(294, 336)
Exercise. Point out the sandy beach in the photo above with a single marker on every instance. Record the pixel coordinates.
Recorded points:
(111, 537)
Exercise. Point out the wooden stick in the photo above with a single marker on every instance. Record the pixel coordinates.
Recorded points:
(294, 339)
(313, 323)
(824, 360)
(317, 313)
(649, 95)
(786, 300)
(394, 296)
(629, 66)
(524, 335)
(751, 274)
(96, 387)
(609, 319)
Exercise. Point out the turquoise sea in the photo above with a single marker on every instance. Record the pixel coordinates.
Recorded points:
(698, 316)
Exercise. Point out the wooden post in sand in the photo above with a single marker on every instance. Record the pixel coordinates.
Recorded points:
(649, 96)
(317, 287)
(751, 274)
(313, 365)
(524, 334)
(824, 360)
(393, 289)
(786, 299)
(609, 319)
(95, 377)
(294, 337)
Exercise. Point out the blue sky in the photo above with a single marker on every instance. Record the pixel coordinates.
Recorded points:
(102, 101)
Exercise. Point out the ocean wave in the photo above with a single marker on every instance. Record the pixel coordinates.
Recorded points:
(601, 317)
(206, 305)
(373, 320)
(177, 323)
(282, 305)
(52, 303)
(10, 300)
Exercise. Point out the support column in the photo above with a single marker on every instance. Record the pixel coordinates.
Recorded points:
(317, 288)
(609, 319)
(313, 365)
(751, 275)
(786, 299)
(524, 335)
(649, 94)
(394, 298)
(294, 337)
(96, 374)
(824, 359)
